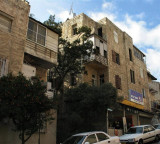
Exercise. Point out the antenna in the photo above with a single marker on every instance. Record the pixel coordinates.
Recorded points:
(71, 11)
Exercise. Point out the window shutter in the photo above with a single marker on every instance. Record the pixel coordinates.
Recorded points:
(119, 83)
(5, 23)
(113, 56)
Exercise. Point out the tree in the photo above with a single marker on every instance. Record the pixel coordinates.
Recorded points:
(86, 108)
(24, 101)
(53, 25)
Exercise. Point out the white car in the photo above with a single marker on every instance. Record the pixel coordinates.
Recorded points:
(139, 135)
(157, 127)
(97, 137)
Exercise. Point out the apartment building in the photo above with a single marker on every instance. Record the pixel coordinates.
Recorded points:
(30, 47)
(118, 61)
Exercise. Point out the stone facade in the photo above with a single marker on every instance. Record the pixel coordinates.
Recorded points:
(13, 42)
(19, 54)
(129, 62)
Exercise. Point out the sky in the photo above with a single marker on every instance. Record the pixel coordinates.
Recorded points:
(139, 18)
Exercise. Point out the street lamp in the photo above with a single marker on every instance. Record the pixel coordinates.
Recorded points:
(108, 109)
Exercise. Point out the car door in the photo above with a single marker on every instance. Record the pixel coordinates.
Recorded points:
(91, 139)
(151, 133)
(103, 139)
(146, 134)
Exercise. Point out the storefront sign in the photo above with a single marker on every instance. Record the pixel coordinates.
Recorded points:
(136, 97)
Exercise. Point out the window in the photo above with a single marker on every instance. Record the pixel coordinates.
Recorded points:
(117, 82)
(141, 72)
(93, 80)
(100, 32)
(130, 54)
(101, 79)
(5, 22)
(138, 54)
(132, 76)
(143, 93)
(105, 53)
(115, 37)
(115, 57)
(3, 67)
(97, 51)
(145, 129)
(36, 33)
(74, 29)
(102, 137)
(91, 139)
(150, 128)
(72, 79)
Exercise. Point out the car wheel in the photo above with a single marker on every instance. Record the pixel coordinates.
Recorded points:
(157, 138)
(140, 142)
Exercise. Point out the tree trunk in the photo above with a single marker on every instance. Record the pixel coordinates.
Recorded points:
(23, 141)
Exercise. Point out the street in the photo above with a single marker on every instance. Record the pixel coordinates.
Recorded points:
(155, 142)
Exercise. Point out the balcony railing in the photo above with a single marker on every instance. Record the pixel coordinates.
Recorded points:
(40, 51)
(98, 58)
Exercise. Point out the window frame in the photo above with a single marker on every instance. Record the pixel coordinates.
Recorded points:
(118, 82)
(132, 76)
(102, 134)
(130, 55)
(37, 33)
(10, 20)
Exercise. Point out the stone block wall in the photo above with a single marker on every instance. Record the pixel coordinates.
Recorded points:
(13, 43)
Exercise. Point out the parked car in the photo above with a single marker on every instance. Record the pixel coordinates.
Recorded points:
(97, 137)
(139, 135)
(157, 127)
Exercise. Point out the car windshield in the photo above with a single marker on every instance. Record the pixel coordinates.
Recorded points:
(74, 140)
(135, 130)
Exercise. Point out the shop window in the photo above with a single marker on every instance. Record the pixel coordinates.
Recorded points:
(130, 55)
(115, 57)
(36, 33)
(117, 82)
(115, 37)
(132, 75)
(100, 32)
(5, 22)
(105, 53)
(74, 29)
(101, 79)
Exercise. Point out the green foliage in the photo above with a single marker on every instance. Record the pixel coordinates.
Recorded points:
(24, 101)
(86, 108)
(70, 55)
(53, 25)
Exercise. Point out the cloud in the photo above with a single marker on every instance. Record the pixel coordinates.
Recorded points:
(99, 15)
(153, 59)
(108, 6)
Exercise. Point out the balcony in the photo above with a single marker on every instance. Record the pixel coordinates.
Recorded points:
(41, 52)
(152, 88)
(96, 61)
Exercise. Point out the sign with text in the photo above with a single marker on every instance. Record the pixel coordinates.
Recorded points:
(136, 97)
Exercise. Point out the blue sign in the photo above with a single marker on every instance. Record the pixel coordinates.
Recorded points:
(136, 97)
